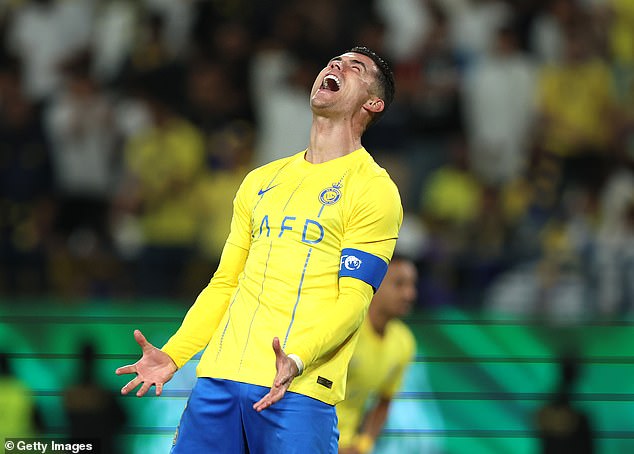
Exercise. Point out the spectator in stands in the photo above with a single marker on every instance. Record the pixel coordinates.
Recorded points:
(162, 165)
(280, 83)
(150, 49)
(562, 427)
(115, 27)
(547, 33)
(43, 33)
(499, 108)
(20, 417)
(450, 202)
(232, 152)
(407, 24)
(614, 257)
(26, 200)
(81, 128)
(577, 108)
(213, 101)
(93, 411)
(474, 24)
(430, 101)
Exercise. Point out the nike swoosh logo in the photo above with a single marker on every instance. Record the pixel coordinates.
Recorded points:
(262, 191)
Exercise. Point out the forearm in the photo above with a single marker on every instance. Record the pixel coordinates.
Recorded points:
(373, 425)
(375, 419)
(204, 316)
(335, 325)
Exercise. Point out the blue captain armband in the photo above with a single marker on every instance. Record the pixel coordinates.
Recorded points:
(363, 266)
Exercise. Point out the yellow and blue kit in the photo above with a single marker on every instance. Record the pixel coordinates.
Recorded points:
(303, 228)
(308, 245)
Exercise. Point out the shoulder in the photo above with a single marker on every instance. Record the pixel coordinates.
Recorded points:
(265, 173)
(279, 163)
(373, 180)
(367, 166)
(402, 335)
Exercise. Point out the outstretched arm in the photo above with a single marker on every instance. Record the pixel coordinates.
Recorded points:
(154, 368)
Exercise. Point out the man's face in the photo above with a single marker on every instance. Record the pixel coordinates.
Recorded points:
(345, 84)
(398, 292)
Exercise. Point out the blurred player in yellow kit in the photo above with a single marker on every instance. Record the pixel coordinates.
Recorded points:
(311, 238)
(385, 348)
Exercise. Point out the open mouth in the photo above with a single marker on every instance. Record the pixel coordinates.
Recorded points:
(331, 83)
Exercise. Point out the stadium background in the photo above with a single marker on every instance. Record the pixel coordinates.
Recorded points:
(125, 127)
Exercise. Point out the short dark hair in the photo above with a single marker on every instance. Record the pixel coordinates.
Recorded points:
(385, 77)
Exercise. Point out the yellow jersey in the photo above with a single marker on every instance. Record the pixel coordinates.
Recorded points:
(376, 370)
(578, 98)
(308, 243)
(16, 418)
(167, 161)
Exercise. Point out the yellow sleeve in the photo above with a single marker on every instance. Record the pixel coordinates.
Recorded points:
(203, 317)
(334, 326)
(375, 220)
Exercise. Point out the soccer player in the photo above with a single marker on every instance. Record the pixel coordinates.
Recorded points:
(384, 349)
(311, 238)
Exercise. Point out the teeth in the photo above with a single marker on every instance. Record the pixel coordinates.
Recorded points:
(331, 77)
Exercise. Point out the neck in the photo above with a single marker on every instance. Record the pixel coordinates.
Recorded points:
(378, 319)
(331, 139)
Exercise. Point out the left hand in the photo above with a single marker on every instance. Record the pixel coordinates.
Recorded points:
(286, 371)
(154, 368)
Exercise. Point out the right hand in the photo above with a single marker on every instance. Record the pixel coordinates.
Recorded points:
(286, 372)
(154, 368)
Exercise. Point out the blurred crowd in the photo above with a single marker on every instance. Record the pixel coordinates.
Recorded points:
(126, 127)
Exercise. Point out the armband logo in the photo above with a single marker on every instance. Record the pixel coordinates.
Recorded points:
(350, 262)
(362, 265)
(330, 195)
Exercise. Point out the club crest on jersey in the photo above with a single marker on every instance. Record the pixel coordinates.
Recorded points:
(350, 262)
(330, 195)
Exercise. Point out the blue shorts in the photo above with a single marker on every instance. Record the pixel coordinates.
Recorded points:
(219, 418)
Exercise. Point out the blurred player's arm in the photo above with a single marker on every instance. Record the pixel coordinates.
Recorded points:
(372, 427)
(375, 418)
